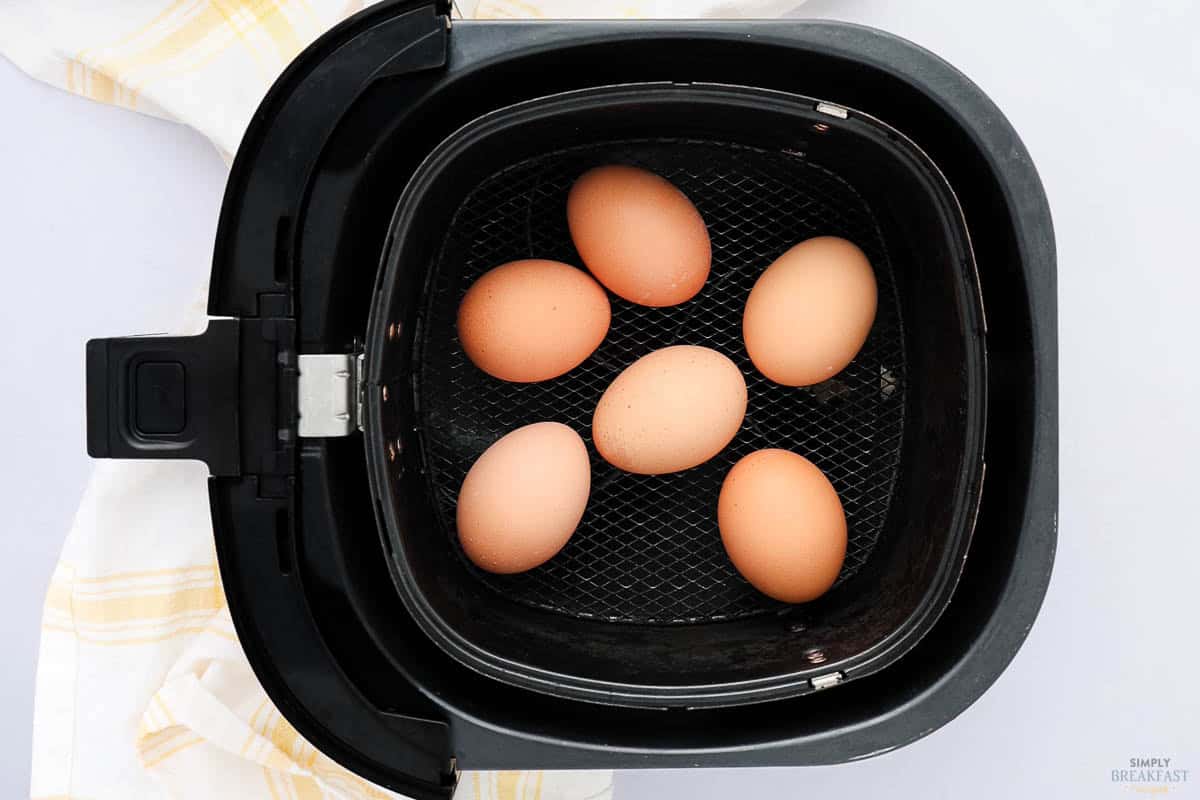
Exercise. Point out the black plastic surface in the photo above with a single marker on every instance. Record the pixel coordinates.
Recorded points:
(167, 397)
(160, 397)
(254, 259)
(226, 397)
(875, 187)
(403, 744)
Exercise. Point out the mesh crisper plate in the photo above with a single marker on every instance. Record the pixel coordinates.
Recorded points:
(648, 549)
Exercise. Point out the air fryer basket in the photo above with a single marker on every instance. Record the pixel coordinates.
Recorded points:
(642, 607)
(399, 661)
(648, 549)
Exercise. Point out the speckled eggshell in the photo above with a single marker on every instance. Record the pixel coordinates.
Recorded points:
(670, 410)
(810, 312)
(782, 525)
(639, 235)
(523, 498)
(532, 320)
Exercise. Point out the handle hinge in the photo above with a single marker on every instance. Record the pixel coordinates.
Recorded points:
(330, 394)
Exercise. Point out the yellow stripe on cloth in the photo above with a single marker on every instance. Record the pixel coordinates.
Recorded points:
(90, 75)
(156, 26)
(248, 20)
(126, 640)
(58, 597)
(272, 19)
(184, 39)
(155, 740)
(155, 746)
(134, 608)
(250, 737)
(270, 777)
(188, 741)
(506, 785)
(196, 22)
(93, 84)
(285, 737)
(147, 607)
(197, 570)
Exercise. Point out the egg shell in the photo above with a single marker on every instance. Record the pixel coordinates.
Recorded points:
(523, 498)
(670, 410)
(639, 235)
(810, 312)
(532, 320)
(782, 525)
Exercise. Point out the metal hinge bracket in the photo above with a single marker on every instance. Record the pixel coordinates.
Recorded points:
(831, 110)
(826, 681)
(330, 394)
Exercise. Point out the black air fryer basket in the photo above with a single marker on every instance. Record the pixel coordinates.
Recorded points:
(401, 157)
(900, 432)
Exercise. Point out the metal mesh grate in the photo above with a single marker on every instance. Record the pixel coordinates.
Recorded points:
(648, 548)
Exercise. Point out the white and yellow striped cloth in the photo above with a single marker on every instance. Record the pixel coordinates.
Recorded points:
(142, 689)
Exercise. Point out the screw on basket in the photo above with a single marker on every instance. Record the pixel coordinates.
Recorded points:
(815, 656)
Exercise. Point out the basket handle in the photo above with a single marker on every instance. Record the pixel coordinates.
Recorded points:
(166, 397)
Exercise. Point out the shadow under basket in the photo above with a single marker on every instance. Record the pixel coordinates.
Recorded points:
(642, 607)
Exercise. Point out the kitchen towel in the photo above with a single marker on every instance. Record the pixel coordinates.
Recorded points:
(142, 689)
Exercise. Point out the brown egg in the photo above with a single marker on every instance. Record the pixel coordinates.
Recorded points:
(782, 525)
(532, 320)
(639, 235)
(670, 410)
(810, 312)
(523, 498)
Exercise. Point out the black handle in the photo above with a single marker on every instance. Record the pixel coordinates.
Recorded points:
(166, 397)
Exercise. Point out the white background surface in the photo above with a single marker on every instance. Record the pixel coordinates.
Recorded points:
(106, 225)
